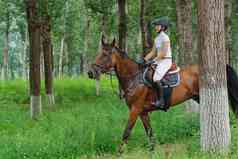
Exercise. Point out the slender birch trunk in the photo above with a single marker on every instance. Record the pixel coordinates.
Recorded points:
(62, 46)
(5, 67)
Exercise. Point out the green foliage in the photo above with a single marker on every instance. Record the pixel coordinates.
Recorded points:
(235, 34)
(100, 7)
(69, 18)
(84, 126)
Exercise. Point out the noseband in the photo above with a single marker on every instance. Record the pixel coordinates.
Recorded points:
(100, 68)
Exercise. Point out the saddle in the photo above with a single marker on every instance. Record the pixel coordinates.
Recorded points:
(170, 79)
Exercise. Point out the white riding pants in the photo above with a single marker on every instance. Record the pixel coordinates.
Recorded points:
(162, 67)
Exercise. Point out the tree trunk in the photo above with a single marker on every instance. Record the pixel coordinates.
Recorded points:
(86, 44)
(26, 56)
(97, 82)
(214, 114)
(66, 61)
(97, 87)
(48, 54)
(62, 48)
(122, 27)
(24, 62)
(42, 68)
(228, 21)
(146, 35)
(34, 40)
(6, 49)
(185, 39)
(184, 31)
(63, 42)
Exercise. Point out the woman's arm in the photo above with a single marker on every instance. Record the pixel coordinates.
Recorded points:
(151, 54)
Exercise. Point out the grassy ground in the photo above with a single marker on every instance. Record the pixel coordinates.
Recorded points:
(82, 125)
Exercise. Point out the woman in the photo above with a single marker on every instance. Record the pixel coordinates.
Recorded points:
(162, 56)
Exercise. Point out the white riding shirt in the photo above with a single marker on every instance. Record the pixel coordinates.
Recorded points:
(164, 64)
(160, 40)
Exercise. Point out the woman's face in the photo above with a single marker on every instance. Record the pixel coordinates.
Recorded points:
(158, 28)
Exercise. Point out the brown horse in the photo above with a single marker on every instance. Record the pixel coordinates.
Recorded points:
(139, 97)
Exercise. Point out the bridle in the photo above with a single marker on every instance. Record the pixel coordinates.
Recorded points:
(99, 68)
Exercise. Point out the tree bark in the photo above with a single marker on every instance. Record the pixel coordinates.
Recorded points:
(86, 44)
(34, 40)
(6, 49)
(62, 48)
(97, 80)
(214, 114)
(24, 61)
(26, 55)
(48, 54)
(122, 27)
(185, 39)
(146, 35)
(184, 31)
(66, 62)
(97, 87)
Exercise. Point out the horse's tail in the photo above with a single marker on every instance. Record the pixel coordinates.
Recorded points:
(232, 85)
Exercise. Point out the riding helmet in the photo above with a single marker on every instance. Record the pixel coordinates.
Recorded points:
(163, 21)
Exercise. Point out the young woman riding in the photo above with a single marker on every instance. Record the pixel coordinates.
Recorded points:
(161, 55)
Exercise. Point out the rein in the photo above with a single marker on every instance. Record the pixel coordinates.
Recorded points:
(122, 77)
(113, 90)
(110, 73)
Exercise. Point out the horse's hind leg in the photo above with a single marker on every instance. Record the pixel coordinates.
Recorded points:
(146, 122)
(134, 112)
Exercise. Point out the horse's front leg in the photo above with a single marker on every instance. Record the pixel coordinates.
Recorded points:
(134, 113)
(149, 132)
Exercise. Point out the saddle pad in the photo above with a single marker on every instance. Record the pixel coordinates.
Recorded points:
(171, 80)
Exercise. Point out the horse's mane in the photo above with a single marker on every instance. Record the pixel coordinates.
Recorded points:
(138, 74)
(124, 55)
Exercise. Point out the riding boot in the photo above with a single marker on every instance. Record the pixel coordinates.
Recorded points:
(160, 103)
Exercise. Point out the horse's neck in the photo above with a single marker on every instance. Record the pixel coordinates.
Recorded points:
(126, 71)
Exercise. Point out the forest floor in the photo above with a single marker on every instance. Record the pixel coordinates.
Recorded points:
(85, 126)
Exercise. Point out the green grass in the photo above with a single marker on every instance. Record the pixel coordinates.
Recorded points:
(83, 125)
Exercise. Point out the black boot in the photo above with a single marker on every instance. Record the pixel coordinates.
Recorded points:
(160, 103)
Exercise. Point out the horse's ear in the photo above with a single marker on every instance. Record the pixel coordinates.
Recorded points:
(103, 39)
(114, 43)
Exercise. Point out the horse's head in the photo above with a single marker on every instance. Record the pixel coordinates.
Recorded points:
(104, 62)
